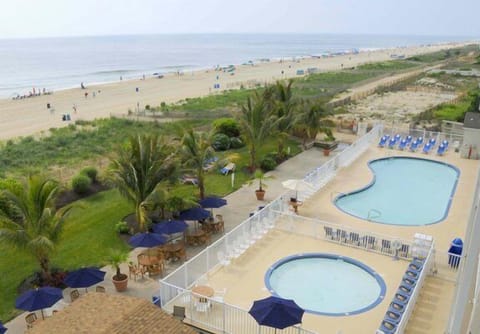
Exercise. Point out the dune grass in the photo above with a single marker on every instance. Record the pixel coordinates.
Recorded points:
(88, 237)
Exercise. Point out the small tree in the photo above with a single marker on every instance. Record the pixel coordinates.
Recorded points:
(256, 123)
(30, 221)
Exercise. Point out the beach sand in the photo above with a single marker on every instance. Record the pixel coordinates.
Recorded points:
(30, 116)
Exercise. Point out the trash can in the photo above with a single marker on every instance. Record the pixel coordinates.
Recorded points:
(454, 253)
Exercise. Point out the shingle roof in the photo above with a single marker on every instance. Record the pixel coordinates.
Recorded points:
(105, 313)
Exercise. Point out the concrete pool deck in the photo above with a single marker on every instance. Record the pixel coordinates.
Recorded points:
(357, 175)
(244, 278)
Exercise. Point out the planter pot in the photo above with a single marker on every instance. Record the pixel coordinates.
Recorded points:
(326, 152)
(260, 194)
(120, 285)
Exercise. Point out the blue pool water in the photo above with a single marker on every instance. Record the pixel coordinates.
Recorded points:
(326, 284)
(404, 191)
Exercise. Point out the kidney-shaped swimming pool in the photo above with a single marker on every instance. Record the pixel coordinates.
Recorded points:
(404, 191)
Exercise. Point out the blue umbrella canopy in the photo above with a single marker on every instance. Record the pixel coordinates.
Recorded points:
(170, 227)
(212, 202)
(147, 240)
(276, 312)
(194, 214)
(2, 328)
(84, 277)
(38, 299)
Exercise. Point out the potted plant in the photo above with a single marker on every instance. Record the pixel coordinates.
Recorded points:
(120, 281)
(260, 192)
(329, 138)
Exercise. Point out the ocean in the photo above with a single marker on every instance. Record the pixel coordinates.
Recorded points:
(59, 63)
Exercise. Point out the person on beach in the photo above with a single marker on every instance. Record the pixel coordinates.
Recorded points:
(93, 94)
(86, 94)
(82, 86)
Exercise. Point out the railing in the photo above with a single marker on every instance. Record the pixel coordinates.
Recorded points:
(455, 140)
(241, 238)
(340, 234)
(427, 268)
(217, 316)
(446, 265)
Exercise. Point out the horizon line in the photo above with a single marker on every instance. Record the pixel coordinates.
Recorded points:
(236, 33)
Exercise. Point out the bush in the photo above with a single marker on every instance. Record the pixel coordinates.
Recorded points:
(91, 172)
(81, 183)
(236, 142)
(268, 163)
(227, 126)
(220, 142)
(122, 227)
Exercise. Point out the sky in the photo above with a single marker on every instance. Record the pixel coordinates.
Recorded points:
(48, 18)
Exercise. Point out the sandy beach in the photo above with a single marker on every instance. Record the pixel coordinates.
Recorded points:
(31, 116)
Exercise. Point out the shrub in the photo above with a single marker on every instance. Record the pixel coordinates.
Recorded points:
(81, 183)
(122, 227)
(227, 126)
(268, 163)
(220, 142)
(236, 142)
(91, 172)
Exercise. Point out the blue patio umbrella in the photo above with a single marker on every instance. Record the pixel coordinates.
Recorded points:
(194, 214)
(276, 312)
(212, 202)
(147, 240)
(2, 328)
(170, 227)
(84, 277)
(38, 299)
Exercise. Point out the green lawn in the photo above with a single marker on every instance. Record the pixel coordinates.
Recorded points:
(89, 233)
(88, 237)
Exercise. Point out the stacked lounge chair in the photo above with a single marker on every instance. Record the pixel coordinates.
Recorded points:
(403, 144)
(392, 142)
(401, 298)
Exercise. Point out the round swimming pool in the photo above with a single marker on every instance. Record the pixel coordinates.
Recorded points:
(326, 284)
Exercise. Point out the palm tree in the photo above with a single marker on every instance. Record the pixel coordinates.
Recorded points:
(140, 167)
(196, 149)
(311, 121)
(31, 222)
(256, 123)
(283, 107)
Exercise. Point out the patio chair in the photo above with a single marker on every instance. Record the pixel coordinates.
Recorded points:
(386, 246)
(100, 288)
(135, 270)
(328, 232)
(354, 238)
(404, 250)
(179, 312)
(74, 295)
(203, 305)
(30, 319)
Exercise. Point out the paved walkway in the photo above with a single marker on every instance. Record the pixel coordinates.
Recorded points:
(239, 204)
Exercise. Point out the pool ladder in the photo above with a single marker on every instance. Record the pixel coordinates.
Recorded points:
(372, 214)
